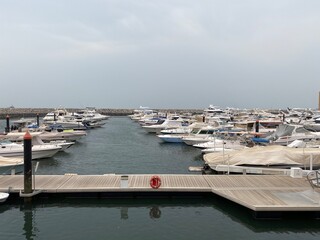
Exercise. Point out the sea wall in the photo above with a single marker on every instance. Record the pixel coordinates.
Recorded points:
(32, 112)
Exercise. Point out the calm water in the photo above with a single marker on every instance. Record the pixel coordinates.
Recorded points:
(122, 146)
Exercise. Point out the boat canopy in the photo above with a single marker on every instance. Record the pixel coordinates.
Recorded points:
(267, 156)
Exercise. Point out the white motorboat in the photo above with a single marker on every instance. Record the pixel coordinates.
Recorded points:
(205, 134)
(287, 133)
(151, 121)
(93, 123)
(61, 143)
(3, 196)
(90, 114)
(192, 140)
(167, 124)
(36, 139)
(172, 138)
(312, 126)
(210, 144)
(220, 143)
(181, 130)
(69, 135)
(9, 149)
(24, 123)
(175, 135)
(11, 165)
(142, 112)
(63, 119)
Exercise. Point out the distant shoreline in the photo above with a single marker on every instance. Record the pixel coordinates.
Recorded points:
(32, 112)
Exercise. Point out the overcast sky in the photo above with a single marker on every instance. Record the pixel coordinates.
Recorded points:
(160, 53)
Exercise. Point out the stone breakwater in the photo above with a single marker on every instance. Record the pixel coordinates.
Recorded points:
(32, 112)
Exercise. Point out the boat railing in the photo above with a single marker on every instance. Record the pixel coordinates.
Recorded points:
(314, 178)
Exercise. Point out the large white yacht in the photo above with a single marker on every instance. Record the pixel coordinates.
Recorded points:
(9, 149)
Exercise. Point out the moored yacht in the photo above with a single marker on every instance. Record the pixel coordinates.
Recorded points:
(167, 124)
(175, 135)
(9, 149)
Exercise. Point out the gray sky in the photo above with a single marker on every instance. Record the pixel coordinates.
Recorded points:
(160, 53)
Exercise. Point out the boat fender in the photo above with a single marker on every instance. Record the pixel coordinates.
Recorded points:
(155, 182)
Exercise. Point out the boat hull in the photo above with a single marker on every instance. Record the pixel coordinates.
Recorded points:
(193, 141)
(171, 139)
(3, 197)
(38, 152)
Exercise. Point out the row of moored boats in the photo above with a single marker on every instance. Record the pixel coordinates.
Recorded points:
(243, 141)
(58, 131)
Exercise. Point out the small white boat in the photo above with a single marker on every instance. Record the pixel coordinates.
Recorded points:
(3, 196)
(11, 165)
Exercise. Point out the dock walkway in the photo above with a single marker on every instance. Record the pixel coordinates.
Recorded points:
(258, 193)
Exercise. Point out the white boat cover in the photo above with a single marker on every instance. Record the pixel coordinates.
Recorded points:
(266, 156)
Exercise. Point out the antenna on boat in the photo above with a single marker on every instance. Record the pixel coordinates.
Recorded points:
(319, 102)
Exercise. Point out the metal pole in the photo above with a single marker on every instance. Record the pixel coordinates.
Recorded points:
(319, 102)
(34, 175)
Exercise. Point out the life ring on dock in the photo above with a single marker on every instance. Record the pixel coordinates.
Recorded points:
(155, 182)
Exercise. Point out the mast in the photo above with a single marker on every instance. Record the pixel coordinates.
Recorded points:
(319, 102)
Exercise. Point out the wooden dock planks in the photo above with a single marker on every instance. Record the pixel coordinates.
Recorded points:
(267, 193)
(258, 193)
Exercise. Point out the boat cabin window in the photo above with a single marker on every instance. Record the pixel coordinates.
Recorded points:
(195, 130)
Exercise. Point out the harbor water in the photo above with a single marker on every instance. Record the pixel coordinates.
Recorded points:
(121, 146)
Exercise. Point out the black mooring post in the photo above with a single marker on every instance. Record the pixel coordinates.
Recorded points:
(38, 122)
(27, 144)
(257, 126)
(8, 124)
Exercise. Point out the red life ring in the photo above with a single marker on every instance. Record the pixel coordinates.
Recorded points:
(155, 182)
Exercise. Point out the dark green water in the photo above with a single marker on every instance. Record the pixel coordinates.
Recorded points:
(122, 146)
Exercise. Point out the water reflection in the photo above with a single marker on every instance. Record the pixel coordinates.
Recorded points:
(155, 212)
(211, 211)
(29, 227)
(124, 213)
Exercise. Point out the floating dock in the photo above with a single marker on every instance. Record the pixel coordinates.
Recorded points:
(266, 193)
